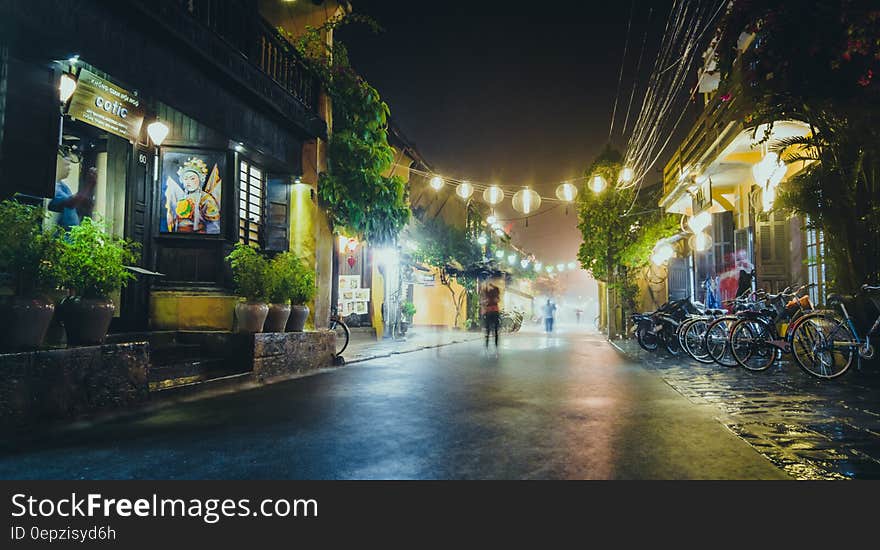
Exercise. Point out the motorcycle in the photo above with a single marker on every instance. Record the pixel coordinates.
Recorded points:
(661, 326)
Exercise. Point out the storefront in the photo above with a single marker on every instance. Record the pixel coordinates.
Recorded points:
(184, 153)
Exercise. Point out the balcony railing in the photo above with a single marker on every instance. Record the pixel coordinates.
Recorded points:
(705, 134)
(239, 24)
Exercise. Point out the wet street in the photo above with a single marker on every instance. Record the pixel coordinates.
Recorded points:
(567, 406)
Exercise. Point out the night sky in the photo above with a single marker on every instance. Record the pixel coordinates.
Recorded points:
(509, 93)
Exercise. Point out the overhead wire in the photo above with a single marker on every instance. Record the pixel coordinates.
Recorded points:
(622, 64)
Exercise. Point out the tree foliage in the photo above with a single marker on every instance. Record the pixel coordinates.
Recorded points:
(820, 66)
(357, 195)
(602, 219)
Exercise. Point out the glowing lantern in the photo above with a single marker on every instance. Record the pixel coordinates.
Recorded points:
(465, 190)
(566, 192)
(436, 183)
(493, 195)
(598, 184)
(526, 201)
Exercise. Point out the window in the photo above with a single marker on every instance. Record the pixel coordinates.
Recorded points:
(816, 263)
(250, 203)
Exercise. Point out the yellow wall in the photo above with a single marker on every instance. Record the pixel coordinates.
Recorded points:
(177, 310)
(377, 296)
(434, 305)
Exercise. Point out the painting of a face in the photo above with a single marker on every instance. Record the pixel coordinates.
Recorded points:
(191, 181)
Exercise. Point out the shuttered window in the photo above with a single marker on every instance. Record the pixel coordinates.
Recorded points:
(251, 198)
(816, 263)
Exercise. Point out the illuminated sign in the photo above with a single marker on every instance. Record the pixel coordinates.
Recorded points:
(106, 106)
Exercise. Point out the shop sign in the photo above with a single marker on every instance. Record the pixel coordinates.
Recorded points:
(427, 280)
(106, 106)
(702, 198)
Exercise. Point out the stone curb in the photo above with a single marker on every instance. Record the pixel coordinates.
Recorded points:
(403, 351)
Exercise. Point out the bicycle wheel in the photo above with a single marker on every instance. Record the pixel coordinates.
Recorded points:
(823, 345)
(750, 344)
(342, 335)
(669, 337)
(718, 340)
(694, 341)
(682, 330)
(647, 340)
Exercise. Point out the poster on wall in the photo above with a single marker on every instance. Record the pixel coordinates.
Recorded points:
(360, 308)
(192, 188)
(362, 295)
(349, 282)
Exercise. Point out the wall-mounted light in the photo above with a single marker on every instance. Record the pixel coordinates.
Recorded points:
(436, 183)
(158, 131)
(67, 87)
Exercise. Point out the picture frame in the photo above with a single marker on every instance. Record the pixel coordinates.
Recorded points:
(190, 200)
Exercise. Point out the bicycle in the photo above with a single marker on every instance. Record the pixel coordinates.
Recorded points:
(343, 334)
(716, 339)
(828, 343)
(755, 339)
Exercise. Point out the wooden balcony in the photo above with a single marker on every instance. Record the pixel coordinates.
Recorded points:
(234, 36)
(718, 125)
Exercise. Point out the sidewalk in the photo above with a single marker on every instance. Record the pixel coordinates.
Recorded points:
(811, 428)
(363, 347)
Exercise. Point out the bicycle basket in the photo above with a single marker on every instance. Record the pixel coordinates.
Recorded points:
(806, 303)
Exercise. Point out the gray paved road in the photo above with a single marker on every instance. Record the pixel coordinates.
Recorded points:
(561, 407)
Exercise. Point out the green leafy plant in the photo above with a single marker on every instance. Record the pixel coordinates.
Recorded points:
(408, 309)
(28, 254)
(250, 273)
(356, 191)
(91, 261)
(290, 280)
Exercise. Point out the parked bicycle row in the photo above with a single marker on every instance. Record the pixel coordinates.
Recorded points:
(755, 331)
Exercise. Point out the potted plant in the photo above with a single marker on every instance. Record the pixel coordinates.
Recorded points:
(91, 265)
(408, 311)
(27, 256)
(250, 276)
(282, 285)
(302, 293)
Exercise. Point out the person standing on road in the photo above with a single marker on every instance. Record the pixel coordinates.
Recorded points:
(549, 314)
(491, 296)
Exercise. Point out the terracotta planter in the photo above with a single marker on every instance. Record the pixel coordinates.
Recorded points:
(86, 320)
(277, 319)
(25, 322)
(251, 316)
(298, 316)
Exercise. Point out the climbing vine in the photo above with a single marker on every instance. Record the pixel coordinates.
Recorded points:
(355, 190)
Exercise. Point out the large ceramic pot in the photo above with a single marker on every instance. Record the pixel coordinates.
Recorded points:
(277, 319)
(298, 316)
(24, 322)
(86, 320)
(251, 316)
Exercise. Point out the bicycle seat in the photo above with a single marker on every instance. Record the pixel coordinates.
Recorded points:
(714, 311)
(867, 289)
(835, 298)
